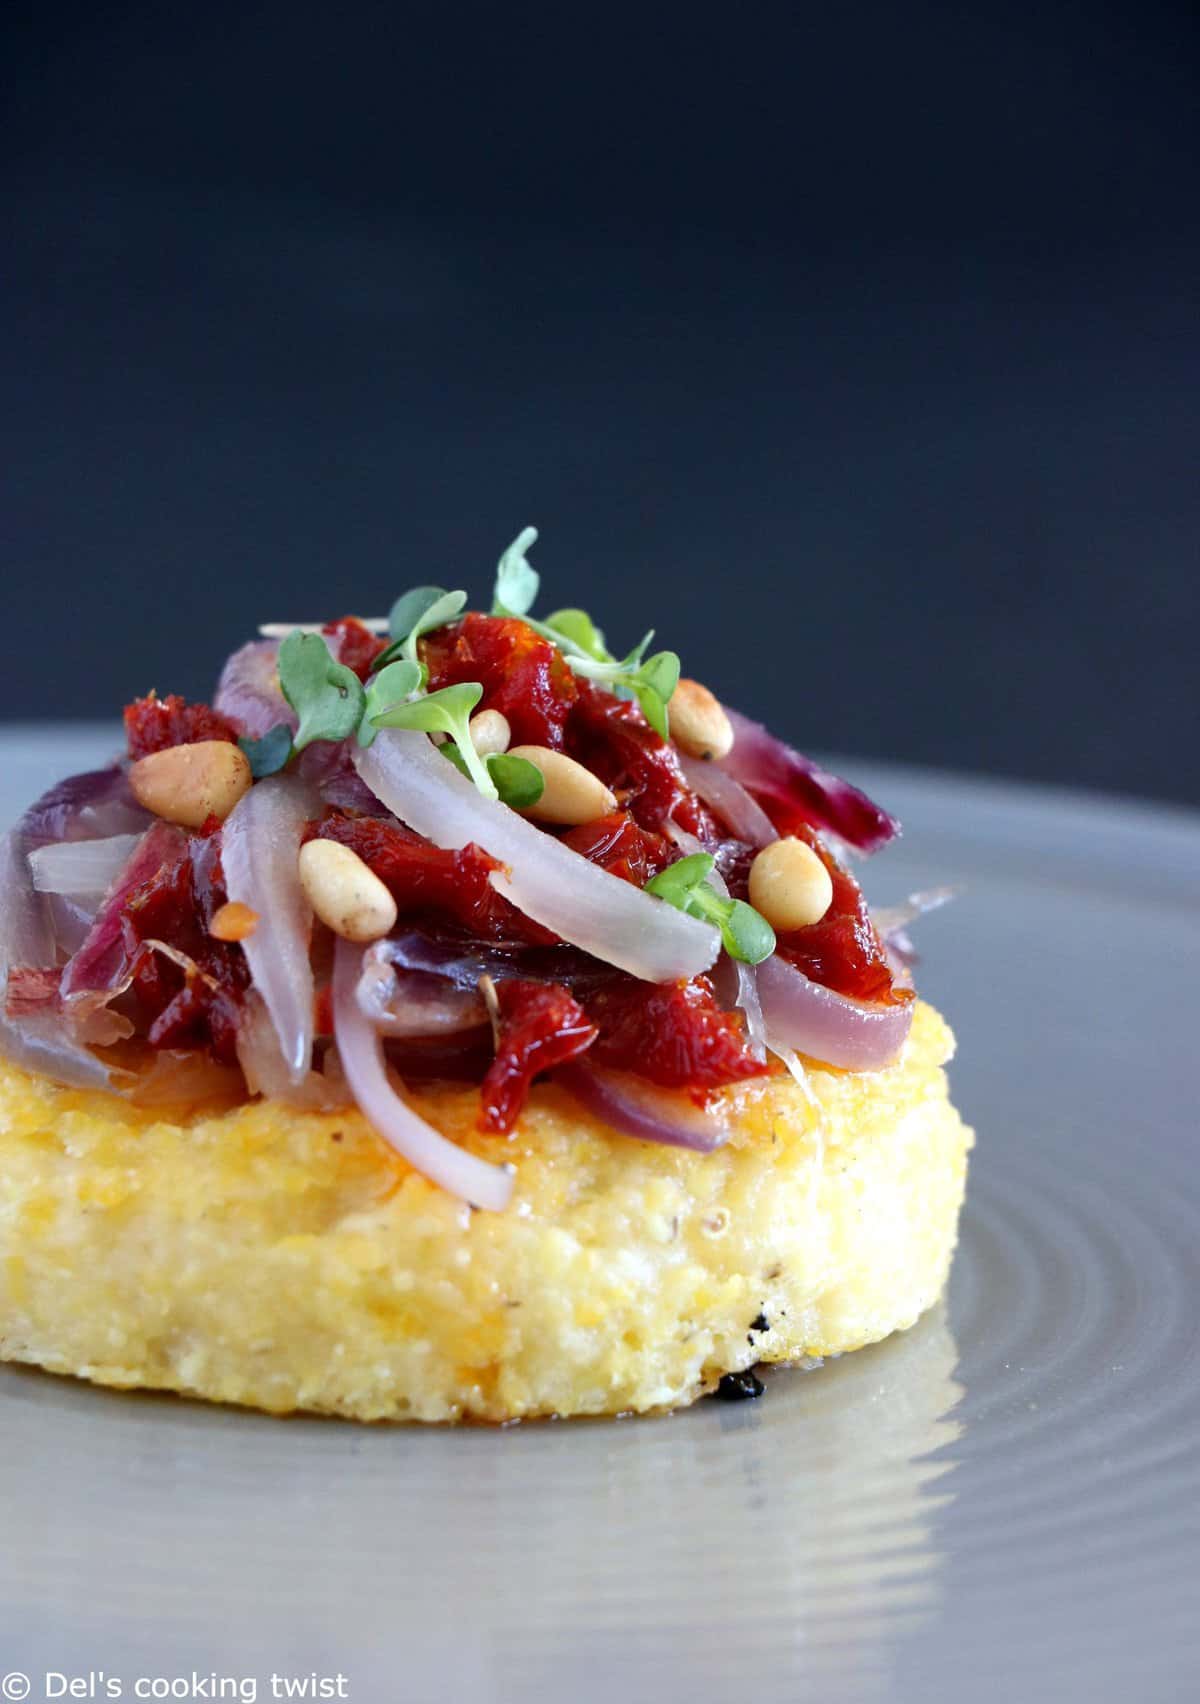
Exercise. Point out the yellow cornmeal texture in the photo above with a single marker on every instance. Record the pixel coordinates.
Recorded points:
(291, 1261)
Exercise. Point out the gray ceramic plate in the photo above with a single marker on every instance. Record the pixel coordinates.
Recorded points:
(1004, 1504)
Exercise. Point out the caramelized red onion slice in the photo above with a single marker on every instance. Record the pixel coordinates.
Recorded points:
(640, 1109)
(743, 816)
(772, 769)
(90, 806)
(260, 852)
(596, 911)
(81, 869)
(265, 1069)
(815, 1021)
(39, 1042)
(414, 1002)
(102, 961)
(248, 691)
(360, 1048)
(85, 807)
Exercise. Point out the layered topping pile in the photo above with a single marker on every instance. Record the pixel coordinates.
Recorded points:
(453, 846)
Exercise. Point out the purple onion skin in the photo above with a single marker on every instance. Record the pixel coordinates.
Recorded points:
(91, 806)
(772, 770)
(650, 1115)
(102, 960)
(826, 1026)
(248, 691)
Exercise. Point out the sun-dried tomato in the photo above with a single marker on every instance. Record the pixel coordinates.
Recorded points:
(423, 878)
(523, 676)
(613, 739)
(842, 951)
(354, 645)
(674, 1033)
(541, 1026)
(618, 845)
(153, 723)
(197, 1003)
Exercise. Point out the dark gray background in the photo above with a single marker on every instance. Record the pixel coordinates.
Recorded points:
(856, 348)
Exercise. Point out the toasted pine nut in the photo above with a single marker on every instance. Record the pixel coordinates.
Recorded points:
(189, 783)
(699, 725)
(345, 894)
(573, 795)
(233, 921)
(490, 732)
(790, 885)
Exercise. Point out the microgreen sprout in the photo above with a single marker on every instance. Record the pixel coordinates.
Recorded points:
(651, 681)
(746, 934)
(331, 703)
(326, 696)
(517, 580)
(394, 684)
(270, 754)
(416, 612)
(447, 711)
(518, 782)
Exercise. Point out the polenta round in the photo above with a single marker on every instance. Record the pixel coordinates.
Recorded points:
(292, 1261)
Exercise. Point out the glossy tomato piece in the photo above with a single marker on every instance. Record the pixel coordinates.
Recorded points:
(842, 951)
(541, 1026)
(354, 645)
(425, 879)
(673, 1033)
(153, 723)
(523, 676)
(613, 739)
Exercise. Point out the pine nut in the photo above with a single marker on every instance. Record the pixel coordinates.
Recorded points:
(790, 885)
(346, 895)
(490, 732)
(573, 795)
(189, 783)
(699, 725)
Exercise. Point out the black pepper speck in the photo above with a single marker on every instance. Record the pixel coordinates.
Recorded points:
(738, 1387)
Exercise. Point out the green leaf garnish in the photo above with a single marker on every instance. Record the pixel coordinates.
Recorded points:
(270, 754)
(577, 626)
(581, 642)
(419, 611)
(746, 934)
(393, 685)
(651, 682)
(517, 580)
(326, 696)
(447, 711)
(519, 783)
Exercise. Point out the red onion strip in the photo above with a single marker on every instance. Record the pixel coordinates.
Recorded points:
(772, 769)
(249, 693)
(816, 1021)
(39, 1043)
(743, 816)
(640, 1109)
(596, 911)
(81, 869)
(260, 851)
(360, 1048)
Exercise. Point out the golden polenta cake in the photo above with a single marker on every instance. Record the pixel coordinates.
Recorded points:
(457, 1020)
(290, 1260)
